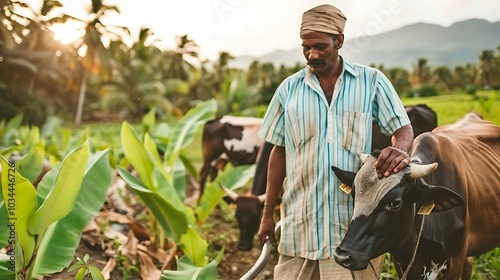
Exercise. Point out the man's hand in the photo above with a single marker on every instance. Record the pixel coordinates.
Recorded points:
(266, 230)
(391, 160)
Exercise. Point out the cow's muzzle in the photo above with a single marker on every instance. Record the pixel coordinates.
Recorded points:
(350, 259)
(245, 246)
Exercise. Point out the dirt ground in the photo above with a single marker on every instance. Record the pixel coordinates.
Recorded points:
(236, 263)
(220, 230)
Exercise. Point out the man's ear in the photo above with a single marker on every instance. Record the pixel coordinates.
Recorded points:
(345, 177)
(442, 197)
(339, 41)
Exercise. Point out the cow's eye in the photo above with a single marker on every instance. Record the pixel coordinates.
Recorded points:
(394, 205)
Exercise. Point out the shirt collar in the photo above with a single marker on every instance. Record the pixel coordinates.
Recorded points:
(349, 68)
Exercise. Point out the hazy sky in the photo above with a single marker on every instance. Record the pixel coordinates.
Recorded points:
(257, 27)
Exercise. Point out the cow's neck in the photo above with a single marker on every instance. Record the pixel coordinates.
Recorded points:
(428, 251)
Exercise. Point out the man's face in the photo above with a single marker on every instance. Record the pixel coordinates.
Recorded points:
(321, 51)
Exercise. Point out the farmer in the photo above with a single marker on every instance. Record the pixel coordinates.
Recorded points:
(321, 117)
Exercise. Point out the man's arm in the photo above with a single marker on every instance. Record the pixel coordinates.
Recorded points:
(275, 177)
(394, 158)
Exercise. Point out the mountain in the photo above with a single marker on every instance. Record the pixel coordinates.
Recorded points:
(458, 44)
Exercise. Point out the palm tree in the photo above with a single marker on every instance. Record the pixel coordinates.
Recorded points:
(485, 68)
(443, 77)
(496, 76)
(460, 76)
(220, 71)
(136, 83)
(253, 73)
(421, 73)
(177, 67)
(399, 78)
(96, 57)
(38, 66)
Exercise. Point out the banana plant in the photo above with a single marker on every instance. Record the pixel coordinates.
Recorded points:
(160, 180)
(47, 221)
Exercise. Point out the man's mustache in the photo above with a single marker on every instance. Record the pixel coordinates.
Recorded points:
(316, 62)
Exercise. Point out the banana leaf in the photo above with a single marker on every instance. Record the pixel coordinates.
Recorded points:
(20, 197)
(171, 218)
(186, 270)
(6, 268)
(59, 242)
(232, 178)
(63, 192)
(31, 164)
(184, 130)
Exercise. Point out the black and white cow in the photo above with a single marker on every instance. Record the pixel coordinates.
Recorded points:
(455, 169)
(229, 139)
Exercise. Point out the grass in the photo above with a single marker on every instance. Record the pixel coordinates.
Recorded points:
(451, 107)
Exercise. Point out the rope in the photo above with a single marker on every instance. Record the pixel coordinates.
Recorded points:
(403, 277)
(377, 276)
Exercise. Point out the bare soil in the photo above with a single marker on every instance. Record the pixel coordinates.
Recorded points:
(220, 230)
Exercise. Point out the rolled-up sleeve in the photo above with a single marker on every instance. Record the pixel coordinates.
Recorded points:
(388, 109)
(273, 126)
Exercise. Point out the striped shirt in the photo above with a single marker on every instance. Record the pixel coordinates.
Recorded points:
(317, 136)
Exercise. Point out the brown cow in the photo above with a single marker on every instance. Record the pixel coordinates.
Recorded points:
(456, 168)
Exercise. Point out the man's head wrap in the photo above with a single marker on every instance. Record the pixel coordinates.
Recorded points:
(323, 18)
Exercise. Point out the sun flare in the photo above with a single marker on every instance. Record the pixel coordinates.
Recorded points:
(66, 33)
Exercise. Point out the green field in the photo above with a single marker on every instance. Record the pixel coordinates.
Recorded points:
(449, 108)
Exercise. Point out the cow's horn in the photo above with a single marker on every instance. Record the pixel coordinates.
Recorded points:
(419, 171)
(262, 198)
(363, 157)
(229, 192)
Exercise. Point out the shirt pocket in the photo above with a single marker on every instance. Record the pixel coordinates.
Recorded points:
(302, 127)
(354, 131)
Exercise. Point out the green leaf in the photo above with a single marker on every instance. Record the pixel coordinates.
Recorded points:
(194, 246)
(179, 179)
(189, 164)
(232, 178)
(74, 266)
(31, 164)
(4, 231)
(171, 219)
(136, 154)
(151, 148)
(7, 268)
(186, 270)
(95, 272)
(62, 196)
(80, 274)
(149, 119)
(185, 129)
(33, 137)
(20, 197)
(166, 190)
(59, 242)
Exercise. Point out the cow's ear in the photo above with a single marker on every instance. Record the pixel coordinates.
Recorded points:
(345, 177)
(442, 197)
